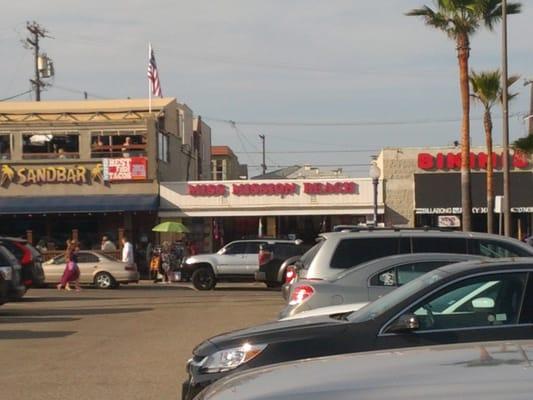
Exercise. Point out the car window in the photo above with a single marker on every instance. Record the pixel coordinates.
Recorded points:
(309, 255)
(4, 262)
(350, 252)
(87, 258)
(495, 249)
(236, 248)
(253, 247)
(404, 273)
(482, 301)
(283, 251)
(439, 245)
(17, 251)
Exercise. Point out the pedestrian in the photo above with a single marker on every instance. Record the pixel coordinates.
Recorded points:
(155, 266)
(72, 271)
(166, 261)
(107, 245)
(127, 251)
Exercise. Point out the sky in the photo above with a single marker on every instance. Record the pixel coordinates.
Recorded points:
(328, 83)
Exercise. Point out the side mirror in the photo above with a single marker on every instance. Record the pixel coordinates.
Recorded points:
(406, 323)
(483, 303)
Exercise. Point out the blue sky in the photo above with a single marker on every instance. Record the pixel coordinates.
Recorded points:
(253, 61)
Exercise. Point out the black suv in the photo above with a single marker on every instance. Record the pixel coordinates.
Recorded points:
(29, 258)
(272, 257)
(11, 286)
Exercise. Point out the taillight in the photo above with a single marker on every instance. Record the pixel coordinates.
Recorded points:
(290, 274)
(300, 294)
(264, 257)
(26, 254)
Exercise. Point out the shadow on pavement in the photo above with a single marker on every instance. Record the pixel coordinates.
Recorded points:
(71, 311)
(58, 298)
(25, 320)
(34, 335)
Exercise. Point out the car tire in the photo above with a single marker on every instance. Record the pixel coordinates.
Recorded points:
(104, 280)
(273, 285)
(203, 278)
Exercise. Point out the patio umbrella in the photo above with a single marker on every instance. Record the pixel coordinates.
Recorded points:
(175, 227)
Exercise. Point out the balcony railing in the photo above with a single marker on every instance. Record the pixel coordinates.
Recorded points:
(118, 151)
(49, 156)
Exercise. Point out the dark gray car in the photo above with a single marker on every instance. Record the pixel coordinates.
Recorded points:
(366, 282)
(488, 371)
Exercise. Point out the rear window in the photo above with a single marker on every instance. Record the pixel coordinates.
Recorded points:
(439, 245)
(351, 252)
(13, 248)
(307, 257)
(496, 249)
(286, 250)
(4, 262)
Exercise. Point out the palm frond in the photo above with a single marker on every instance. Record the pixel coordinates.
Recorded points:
(524, 144)
(491, 11)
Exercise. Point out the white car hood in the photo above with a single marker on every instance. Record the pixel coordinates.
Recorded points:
(330, 310)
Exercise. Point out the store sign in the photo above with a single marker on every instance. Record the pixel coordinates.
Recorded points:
(273, 189)
(442, 161)
(206, 190)
(124, 169)
(330, 188)
(449, 221)
(264, 189)
(39, 176)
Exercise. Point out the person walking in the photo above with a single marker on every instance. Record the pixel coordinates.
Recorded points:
(72, 271)
(107, 245)
(127, 251)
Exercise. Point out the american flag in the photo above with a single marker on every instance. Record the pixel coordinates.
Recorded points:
(153, 76)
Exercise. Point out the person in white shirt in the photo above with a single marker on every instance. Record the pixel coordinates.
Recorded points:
(127, 251)
(107, 245)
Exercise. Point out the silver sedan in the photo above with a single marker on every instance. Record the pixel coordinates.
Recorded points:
(102, 270)
(365, 282)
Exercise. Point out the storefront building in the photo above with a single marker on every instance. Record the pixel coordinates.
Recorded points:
(422, 187)
(84, 169)
(221, 211)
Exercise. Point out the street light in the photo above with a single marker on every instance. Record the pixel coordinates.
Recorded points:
(375, 173)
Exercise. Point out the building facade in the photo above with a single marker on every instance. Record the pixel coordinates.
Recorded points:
(422, 187)
(83, 169)
(225, 165)
(217, 212)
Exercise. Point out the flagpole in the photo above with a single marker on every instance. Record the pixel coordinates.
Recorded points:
(149, 81)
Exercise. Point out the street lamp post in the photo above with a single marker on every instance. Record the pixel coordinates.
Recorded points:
(375, 173)
(505, 141)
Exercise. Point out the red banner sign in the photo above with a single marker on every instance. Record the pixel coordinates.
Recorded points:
(207, 190)
(442, 161)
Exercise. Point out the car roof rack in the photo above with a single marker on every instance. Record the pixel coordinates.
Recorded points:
(396, 229)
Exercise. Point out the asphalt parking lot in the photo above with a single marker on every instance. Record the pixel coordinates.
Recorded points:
(130, 343)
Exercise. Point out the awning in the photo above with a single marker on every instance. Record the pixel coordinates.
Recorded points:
(78, 204)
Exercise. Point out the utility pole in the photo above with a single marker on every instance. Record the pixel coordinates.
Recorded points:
(263, 165)
(505, 141)
(43, 65)
(530, 116)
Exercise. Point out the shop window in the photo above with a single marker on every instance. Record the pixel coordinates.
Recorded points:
(118, 144)
(162, 147)
(5, 147)
(45, 145)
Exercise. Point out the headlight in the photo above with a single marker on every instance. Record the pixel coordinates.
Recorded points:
(226, 360)
(189, 260)
(7, 273)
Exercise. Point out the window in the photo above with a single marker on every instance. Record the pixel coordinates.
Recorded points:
(351, 252)
(162, 147)
(236, 248)
(402, 274)
(487, 300)
(5, 146)
(439, 245)
(87, 258)
(253, 247)
(118, 144)
(44, 145)
(283, 251)
(218, 170)
(492, 248)
(4, 262)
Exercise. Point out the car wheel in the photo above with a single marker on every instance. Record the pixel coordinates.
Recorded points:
(203, 279)
(104, 280)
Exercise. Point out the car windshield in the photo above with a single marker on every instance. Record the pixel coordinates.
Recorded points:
(385, 303)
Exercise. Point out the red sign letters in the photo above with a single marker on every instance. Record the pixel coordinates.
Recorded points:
(442, 161)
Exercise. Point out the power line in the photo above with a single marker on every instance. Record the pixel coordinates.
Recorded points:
(78, 91)
(348, 123)
(316, 151)
(16, 95)
(315, 165)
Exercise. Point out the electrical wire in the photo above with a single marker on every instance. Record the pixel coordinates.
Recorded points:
(78, 91)
(16, 95)
(316, 151)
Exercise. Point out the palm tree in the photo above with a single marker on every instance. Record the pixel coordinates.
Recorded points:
(487, 90)
(460, 19)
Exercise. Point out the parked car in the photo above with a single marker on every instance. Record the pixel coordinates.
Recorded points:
(481, 370)
(366, 282)
(236, 261)
(97, 268)
(457, 303)
(10, 276)
(272, 261)
(29, 258)
(342, 250)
